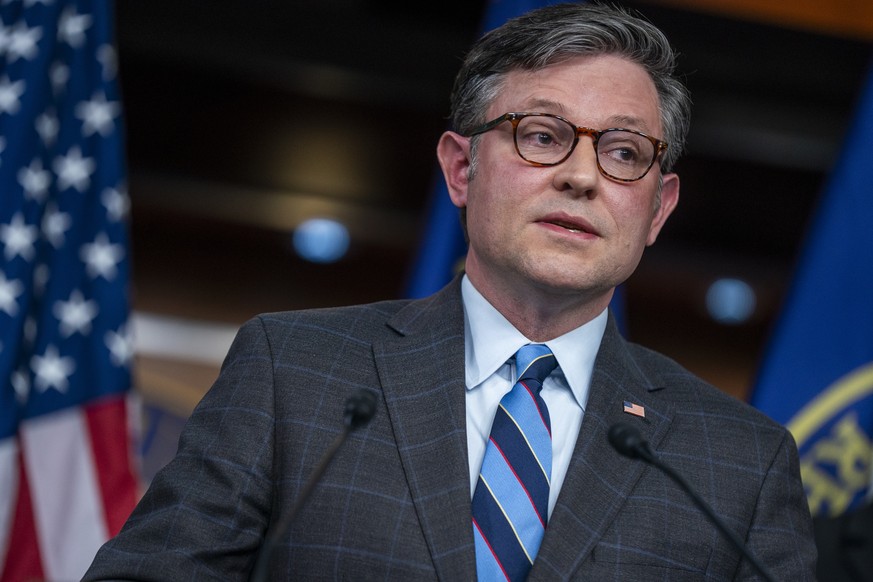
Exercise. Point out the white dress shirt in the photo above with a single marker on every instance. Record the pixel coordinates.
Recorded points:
(490, 344)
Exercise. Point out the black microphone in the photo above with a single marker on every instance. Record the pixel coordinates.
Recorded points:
(628, 441)
(360, 408)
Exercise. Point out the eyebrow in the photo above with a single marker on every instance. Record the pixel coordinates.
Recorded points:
(630, 122)
(624, 121)
(547, 105)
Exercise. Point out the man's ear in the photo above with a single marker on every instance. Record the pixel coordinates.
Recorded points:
(453, 153)
(669, 199)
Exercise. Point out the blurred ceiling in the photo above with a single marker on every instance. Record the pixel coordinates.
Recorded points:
(245, 118)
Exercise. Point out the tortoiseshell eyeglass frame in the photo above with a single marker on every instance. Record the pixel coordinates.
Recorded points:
(659, 146)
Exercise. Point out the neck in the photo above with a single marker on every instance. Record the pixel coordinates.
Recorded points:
(542, 314)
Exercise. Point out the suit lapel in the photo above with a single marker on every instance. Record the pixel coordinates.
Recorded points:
(422, 376)
(598, 479)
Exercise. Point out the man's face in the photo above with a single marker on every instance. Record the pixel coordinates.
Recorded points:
(565, 229)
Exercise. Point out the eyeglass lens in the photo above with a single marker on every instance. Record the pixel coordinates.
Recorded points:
(547, 140)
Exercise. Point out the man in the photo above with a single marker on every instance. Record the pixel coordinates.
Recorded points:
(567, 123)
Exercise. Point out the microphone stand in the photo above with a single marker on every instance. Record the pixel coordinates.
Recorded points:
(627, 441)
(360, 408)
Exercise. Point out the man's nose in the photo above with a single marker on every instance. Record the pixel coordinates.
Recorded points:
(579, 172)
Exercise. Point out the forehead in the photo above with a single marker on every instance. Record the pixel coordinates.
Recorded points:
(595, 91)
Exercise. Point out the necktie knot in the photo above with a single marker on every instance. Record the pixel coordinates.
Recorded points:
(535, 362)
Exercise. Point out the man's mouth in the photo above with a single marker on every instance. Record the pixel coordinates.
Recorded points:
(571, 225)
(568, 227)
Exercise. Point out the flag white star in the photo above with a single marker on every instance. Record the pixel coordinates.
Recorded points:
(51, 370)
(18, 238)
(108, 59)
(47, 126)
(98, 115)
(73, 170)
(21, 385)
(10, 92)
(23, 42)
(117, 203)
(101, 257)
(72, 27)
(76, 314)
(54, 224)
(120, 346)
(59, 73)
(35, 180)
(9, 293)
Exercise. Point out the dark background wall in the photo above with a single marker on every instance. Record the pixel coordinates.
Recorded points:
(246, 118)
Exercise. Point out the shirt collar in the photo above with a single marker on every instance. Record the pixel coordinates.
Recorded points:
(491, 341)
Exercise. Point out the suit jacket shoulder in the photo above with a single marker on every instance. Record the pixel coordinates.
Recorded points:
(685, 389)
(392, 503)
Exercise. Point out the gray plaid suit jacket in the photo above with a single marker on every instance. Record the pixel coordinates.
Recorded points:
(395, 503)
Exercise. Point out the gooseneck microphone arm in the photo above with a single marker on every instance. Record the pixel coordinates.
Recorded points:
(359, 409)
(627, 440)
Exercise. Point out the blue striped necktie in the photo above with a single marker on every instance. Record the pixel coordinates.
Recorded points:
(511, 500)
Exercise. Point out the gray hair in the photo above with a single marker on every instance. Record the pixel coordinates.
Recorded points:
(553, 34)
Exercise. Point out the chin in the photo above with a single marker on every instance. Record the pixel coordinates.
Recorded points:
(563, 285)
(577, 280)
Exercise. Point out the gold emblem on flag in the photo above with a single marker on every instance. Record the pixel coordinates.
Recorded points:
(839, 465)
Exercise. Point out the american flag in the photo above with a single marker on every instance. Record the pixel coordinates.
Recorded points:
(66, 481)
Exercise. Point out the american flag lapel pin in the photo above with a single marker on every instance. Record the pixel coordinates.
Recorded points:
(635, 409)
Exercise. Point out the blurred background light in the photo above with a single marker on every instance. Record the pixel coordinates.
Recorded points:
(321, 240)
(730, 301)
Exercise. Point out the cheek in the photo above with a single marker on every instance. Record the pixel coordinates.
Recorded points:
(484, 217)
(633, 217)
(490, 193)
(494, 215)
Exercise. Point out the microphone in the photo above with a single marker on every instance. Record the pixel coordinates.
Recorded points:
(359, 409)
(628, 441)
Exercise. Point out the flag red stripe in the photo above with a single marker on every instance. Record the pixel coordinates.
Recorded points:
(23, 561)
(107, 423)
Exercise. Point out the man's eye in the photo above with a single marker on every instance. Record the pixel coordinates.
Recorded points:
(538, 138)
(544, 139)
(623, 154)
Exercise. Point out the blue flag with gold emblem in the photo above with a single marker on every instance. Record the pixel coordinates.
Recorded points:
(817, 377)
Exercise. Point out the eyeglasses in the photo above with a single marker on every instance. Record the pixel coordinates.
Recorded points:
(543, 139)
